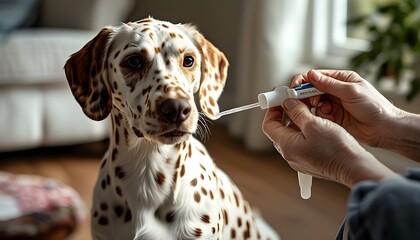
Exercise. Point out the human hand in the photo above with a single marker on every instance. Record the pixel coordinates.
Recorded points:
(320, 147)
(353, 103)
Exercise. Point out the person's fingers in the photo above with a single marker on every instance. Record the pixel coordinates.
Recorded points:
(331, 111)
(274, 129)
(298, 112)
(328, 84)
(341, 75)
(272, 121)
(299, 79)
(273, 115)
(325, 108)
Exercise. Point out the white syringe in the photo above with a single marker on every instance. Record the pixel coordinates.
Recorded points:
(276, 98)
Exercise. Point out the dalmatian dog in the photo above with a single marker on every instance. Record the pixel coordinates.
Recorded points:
(157, 181)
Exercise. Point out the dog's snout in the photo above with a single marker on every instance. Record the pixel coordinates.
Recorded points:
(175, 110)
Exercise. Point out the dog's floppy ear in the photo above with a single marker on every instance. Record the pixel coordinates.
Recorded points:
(87, 78)
(214, 67)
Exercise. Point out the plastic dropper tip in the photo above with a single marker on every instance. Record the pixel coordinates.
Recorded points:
(305, 184)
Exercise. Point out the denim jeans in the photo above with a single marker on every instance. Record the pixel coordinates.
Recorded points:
(389, 209)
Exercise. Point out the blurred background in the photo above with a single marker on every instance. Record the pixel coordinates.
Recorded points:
(44, 132)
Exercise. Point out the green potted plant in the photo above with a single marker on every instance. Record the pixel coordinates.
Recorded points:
(394, 32)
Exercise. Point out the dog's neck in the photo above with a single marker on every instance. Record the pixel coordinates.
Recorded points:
(141, 166)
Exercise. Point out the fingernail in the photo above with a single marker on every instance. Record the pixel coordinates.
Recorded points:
(316, 75)
(290, 103)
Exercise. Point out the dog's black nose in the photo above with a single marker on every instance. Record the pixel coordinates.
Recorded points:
(175, 110)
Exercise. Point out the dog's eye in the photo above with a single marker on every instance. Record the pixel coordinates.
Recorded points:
(133, 62)
(188, 62)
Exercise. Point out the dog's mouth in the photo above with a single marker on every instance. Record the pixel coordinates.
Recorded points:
(174, 134)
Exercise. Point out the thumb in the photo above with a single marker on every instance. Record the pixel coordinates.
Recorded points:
(328, 84)
(298, 112)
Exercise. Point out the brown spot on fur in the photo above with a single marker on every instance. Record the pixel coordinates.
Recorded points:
(116, 54)
(236, 199)
(194, 182)
(225, 217)
(204, 191)
(247, 233)
(104, 206)
(212, 102)
(178, 161)
(145, 20)
(189, 151)
(103, 163)
(119, 191)
(117, 137)
(202, 167)
(205, 218)
(118, 209)
(197, 197)
(160, 178)
(146, 90)
(137, 132)
(119, 173)
(182, 170)
(114, 154)
(210, 111)
(128, 215)
(233, 233)
(198, 232)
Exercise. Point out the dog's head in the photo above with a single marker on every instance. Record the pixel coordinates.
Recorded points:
(148, 72)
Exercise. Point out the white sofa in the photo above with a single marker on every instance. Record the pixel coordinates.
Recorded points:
(36, 105)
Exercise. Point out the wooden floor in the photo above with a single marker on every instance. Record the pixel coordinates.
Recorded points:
(266, 181)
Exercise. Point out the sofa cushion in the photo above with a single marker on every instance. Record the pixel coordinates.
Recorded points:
(21, 120)
(36, 56)
(35, 115)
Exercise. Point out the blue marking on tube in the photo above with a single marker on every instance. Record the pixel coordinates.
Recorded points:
(304, 86)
